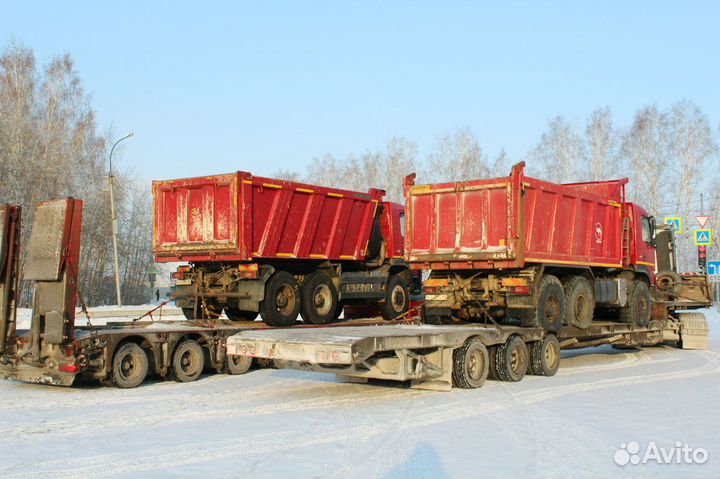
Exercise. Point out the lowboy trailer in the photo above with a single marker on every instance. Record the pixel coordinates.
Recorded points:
(442, 357)
(55, 351)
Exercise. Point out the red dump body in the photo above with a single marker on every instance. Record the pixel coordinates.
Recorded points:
(511, 221)
(241, 217)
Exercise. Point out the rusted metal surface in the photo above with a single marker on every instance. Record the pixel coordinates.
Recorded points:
(240, 217)
(10, 227)
(53, 255)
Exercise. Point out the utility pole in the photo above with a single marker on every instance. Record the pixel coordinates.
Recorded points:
(114, 222)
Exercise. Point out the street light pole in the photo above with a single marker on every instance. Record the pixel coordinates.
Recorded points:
(114, 221)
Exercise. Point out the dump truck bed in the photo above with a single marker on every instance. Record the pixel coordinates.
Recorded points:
(240, 217)
(510, 221)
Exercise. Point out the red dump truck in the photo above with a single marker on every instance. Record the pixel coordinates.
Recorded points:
(279, 248)
(518, 248)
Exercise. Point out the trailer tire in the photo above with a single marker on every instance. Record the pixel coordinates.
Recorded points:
(281, 305)
(130, 366)
(188, 361)
(638, 309)
(545, 356)
(397, 296)
(549, 305)
(238, 364)
(579, 302)
(470, 364)
(319, 299)
(235, 314)
(511, 360)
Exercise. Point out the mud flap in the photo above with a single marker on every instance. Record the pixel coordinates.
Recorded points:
(693, 331)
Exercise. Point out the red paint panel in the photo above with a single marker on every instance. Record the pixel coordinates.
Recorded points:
(477, 224)
(238, 216)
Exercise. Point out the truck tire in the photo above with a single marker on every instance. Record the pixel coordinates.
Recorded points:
(396, 298)
(638, 309)
(319, 299)
(130, 366)
(281, 305)
(470, 364)
(238, 364)
(579, 302)
(549, 305)
(545, 356)
(235, 314)
(511, 360)
(188, 361)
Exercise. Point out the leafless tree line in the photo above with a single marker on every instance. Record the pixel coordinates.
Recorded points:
(50, 147)
(669, 155)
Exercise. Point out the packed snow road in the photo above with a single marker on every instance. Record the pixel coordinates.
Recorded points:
(296, 424)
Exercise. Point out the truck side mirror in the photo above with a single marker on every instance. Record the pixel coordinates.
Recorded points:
(653, 238)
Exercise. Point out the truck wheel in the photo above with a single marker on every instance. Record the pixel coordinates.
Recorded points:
(639, 305)
(188, 361)
(545, 356)
(579, 302)
(235, 314)
(396, 298)
(238, 364)
(130, 366)
(319, 299)
(281, 304)
(470, 364)
(549, 305)
(511, 360)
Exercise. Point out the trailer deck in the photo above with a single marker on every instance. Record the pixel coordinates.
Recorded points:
(425, 354)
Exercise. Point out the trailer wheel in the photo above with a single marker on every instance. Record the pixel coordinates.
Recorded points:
(396, 298)
(319, 299)
(579, 302)
(545, 356)
(549, 305)
(470, 364)
(511, 360)
(129, 366)
(238, 364)
(281, 304)
(235, 314)
(188, 361)
(639, 305)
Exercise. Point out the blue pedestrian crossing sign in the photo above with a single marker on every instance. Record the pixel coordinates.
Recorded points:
(713, 268)
(676, 222)
(703, 237)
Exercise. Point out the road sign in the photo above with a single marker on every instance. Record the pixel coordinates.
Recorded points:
(703, 237)
(676, 222)
(713, 268)
(702, 220)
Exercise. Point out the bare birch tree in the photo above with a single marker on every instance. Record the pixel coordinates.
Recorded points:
(601, 143)
(457, 156)
(558, 153)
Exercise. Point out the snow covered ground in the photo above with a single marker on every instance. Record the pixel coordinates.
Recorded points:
(285, 423)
